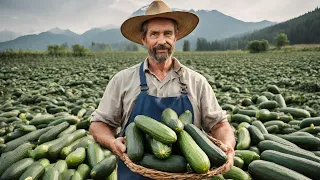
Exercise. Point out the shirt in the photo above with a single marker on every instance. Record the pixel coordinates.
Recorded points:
(123, 89)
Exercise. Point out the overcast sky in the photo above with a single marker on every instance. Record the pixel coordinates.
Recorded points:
(81, 15)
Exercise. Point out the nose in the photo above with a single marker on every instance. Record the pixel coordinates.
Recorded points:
(161, 40)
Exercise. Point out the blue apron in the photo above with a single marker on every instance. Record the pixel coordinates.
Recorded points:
(152, 106)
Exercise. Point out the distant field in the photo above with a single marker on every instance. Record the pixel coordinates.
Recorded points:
(233, 76)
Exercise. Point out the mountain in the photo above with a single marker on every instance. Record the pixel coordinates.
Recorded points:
(304, 29)
(66, 32)
(213, 25)
(7, 35)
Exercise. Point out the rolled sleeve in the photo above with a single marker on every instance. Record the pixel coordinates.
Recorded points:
(110, 108)
(211, 112)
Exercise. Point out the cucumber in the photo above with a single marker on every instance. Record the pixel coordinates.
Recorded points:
(295, 112)
(312, 129)
(268, 105)
(2, 140)
(305, 142)
(218, 177)
(54, 150)
(34, 172)
(287, 130)
(273, 129)
(81, 112)
(279, 140)
(104, 168)
(255, 135)
(238, 162)
(250, 113)
(39, 152)
(53, 133)
(186, 117)
(134, 142)
(261, 99)
(76, 157)
(61, 166)
(70, 119)
(215, 154)
(82, 173)
(254, 149)
(280, 100)
(51, 174)
(239, 118)
(301, 134)
(260, 126)
(243, 124)
(45, 162)
(308, 121)
(15, 170)
(264, 170)
(195, 156)
(236, 173)
(82, 142)
(67, 175)
(273, 89)
(173, 164)
(317, 153)
(15, 134)
(94, 154)
(301, 165)
(84, 124)
(43, 119)
(155, 129)
(244, 139)
(271, 145)
(27, 128)
(32, 136)
(170, 118)
(226, 107)
(113, 175)
(69, 130)
(247, 156)
(246, 102)
(9, 158)
(286, 118)
(160, 150)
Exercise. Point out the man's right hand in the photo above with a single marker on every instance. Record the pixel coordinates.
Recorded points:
(118, 146)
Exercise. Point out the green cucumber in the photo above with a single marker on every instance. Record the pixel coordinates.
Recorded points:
(273, 89)
(43, 119)
(155, 129)
(94, 154)
(67, 175)
(69, 130)
(104, 168)
(226, 107)
(271, 145)
(34, 172)
(260, 126)
(82, 173)
(45, 162)
(134, 142)
(244, 139)
(236, 173)
(218, 177)
(173, 164)
(280, 100)
(11, 157)
(243, 124)
(82, 142)
(268, 105)
(70, 119)
(250, 113)
(254, 149)
(301, 134)
(279, 123)
(273, 129)
(308, 121)
(247, 156)
(279, 140)
(170, 118)
(215, 154)
(39, 152)
(76, 157)
(186, 117)
(160, 150)
(61, 166)
(27, 128)
(51, 174)
(239, 118)
(305, 142)
(261, 99)
(246, 102)
(53, 133)
(301, 165)
(286, 118)
(15, 134)
(255, 135)
(113, 175)
(295, 112)
(264, 170)
(195, 156)
(15, 170)
(238, 162)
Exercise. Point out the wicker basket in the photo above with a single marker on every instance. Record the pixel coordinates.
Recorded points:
(155, 174)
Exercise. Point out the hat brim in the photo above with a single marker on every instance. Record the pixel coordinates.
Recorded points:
(186, 22)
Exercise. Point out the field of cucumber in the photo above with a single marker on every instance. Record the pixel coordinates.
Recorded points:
(280, 90)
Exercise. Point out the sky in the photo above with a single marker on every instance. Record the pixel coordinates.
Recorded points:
(34, 16)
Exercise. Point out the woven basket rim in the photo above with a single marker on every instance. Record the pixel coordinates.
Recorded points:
(156, 174)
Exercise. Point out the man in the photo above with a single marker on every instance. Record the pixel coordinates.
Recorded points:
(158, 82)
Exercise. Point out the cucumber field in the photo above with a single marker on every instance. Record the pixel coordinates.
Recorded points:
(38, 94)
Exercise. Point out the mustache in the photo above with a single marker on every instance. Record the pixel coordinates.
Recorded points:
(162, 47)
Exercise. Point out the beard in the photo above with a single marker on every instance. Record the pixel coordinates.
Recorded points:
(161, 57)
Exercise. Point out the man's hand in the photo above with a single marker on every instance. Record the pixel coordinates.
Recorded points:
(118, 146)
(230, 155)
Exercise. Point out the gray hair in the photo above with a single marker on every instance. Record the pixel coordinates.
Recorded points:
(144, 27)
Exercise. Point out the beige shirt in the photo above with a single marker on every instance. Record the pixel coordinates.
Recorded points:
(123, 89)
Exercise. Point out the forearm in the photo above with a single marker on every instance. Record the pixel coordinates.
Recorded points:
(102, 133)
(224, 133)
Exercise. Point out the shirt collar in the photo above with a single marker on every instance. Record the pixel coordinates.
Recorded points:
(177, 67)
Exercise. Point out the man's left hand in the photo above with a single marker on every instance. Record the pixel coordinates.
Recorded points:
(230, 155)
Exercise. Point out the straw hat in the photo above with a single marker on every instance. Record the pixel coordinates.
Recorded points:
(186, 21)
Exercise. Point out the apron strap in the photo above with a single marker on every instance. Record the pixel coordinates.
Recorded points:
(144, 87)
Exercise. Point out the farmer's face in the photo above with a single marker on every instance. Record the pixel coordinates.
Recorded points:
(160, 39)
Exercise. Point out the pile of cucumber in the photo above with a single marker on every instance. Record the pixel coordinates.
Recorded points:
(172, 145)
(52, 147)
